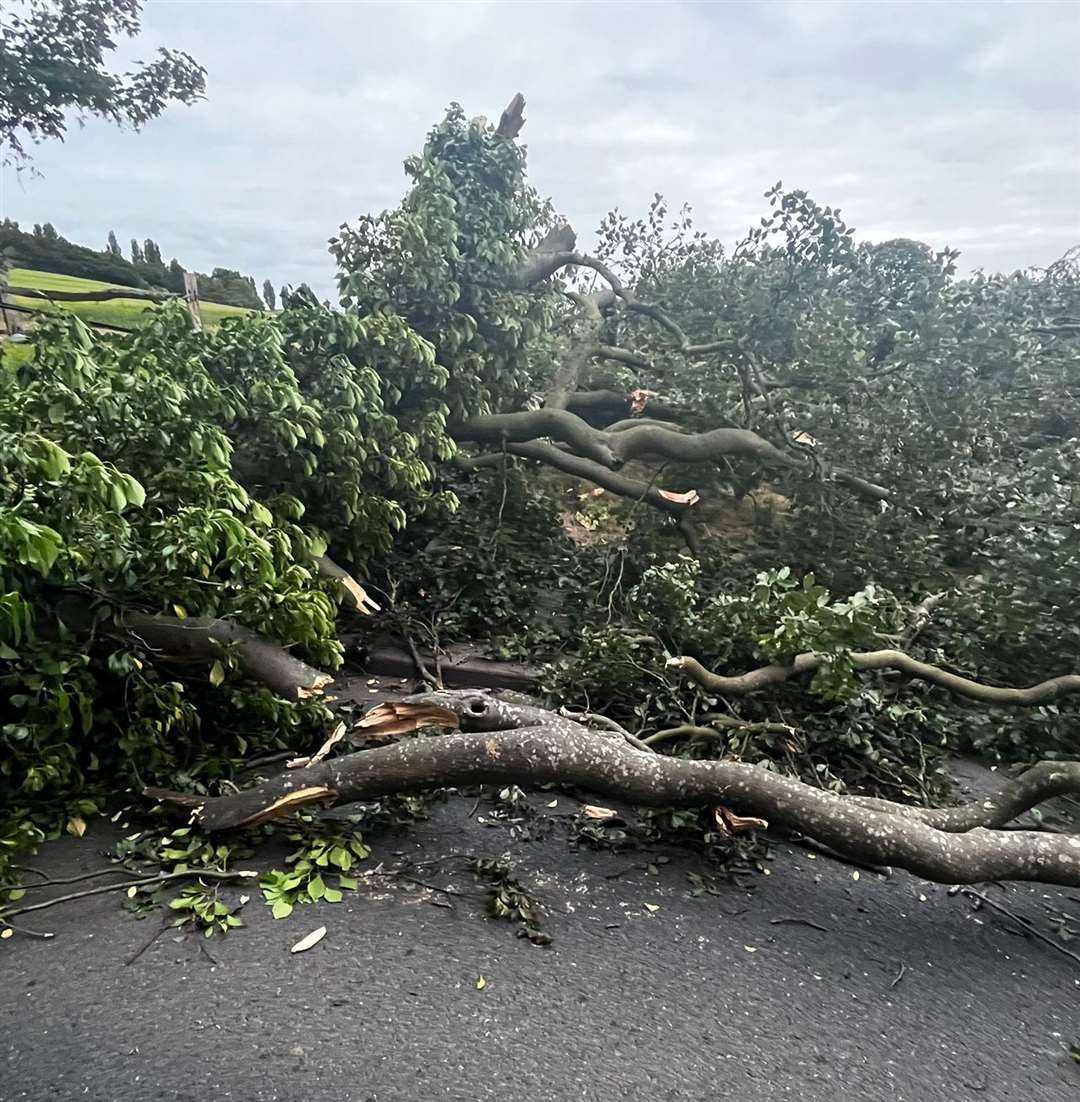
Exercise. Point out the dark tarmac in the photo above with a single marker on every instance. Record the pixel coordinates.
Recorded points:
(906, 993)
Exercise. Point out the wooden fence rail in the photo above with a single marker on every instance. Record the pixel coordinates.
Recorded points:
(190, 296)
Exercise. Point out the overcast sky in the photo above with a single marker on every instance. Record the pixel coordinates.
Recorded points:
(953, 123)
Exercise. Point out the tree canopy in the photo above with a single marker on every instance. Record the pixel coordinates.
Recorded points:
(795, 517)
(54, 61)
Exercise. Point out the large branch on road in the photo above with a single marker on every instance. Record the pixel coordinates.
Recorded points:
(202, 639)
(766, 676)
(606, 765)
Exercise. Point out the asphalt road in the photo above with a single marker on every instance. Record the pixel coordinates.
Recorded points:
(904, 992)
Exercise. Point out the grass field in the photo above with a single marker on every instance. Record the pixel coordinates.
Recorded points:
(123, 313)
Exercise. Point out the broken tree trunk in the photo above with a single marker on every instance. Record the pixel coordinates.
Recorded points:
(568, 754)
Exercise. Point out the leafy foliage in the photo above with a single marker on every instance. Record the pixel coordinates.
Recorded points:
(54, 61)
(441, 260)
(836, 730)
(186, 474)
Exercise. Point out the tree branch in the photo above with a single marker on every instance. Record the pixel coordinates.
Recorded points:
(204, 639)
(765, 676)
(605, 765)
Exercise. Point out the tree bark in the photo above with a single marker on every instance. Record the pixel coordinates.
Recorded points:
(604, 764)
(766, 676)
(202, 639)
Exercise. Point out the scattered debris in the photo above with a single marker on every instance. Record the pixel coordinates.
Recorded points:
(310, 941)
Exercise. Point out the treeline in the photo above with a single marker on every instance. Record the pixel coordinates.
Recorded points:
(44, 249)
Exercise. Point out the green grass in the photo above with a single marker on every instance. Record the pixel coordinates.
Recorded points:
(13, 356)
(123, 313)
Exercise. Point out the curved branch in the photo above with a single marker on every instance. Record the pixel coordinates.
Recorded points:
(606, 766)
(533, 424)
(613, 449)
(699, 447)
(631, 488)
(765, 676)
(1042, 782)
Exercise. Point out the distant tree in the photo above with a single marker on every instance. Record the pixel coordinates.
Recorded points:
(152, 254)
(113, 248)
(174, 279)
(48, 231)
(46, 254)
(52, 69)
(136, 253)
(37, 230)
(268, 294)
(230, 287)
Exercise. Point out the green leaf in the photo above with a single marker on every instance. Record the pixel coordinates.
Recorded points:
(217, 674)
(281, 909)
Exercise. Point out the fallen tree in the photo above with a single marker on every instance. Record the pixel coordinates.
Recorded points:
(506, 744)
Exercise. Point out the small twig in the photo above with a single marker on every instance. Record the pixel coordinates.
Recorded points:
(164, 878)
(1023, 923)
(594, 718)
(810, 843)
(430, 887)
(425, 674)
(798, 922)
(146, 944)
(46, 882)
(899, 975)
(23, 930)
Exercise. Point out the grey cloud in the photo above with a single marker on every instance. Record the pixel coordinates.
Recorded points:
(954, 123)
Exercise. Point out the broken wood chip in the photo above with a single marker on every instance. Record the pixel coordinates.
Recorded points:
(689, 498)
(318, 684)
(358, 597)
(397, 718)
(300, 763)
(600, 814)
(639, 399)
(730, 823)
(312, 939)
(283, 806)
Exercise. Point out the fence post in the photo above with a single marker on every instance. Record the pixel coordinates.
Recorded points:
(191, 297)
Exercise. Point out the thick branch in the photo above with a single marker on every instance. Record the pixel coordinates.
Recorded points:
(605, 765)
(533, 424)
(583, 346)
(630, 488)
(646, 440)
(601, 407)
(765, 676)
(204, 638)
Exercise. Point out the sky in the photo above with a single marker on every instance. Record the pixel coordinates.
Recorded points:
(957, 124)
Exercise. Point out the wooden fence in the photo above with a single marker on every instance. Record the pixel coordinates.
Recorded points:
(190, 296)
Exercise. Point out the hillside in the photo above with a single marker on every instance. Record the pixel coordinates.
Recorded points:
(121, 313)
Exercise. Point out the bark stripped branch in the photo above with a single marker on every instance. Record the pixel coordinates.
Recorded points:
(765, 676)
